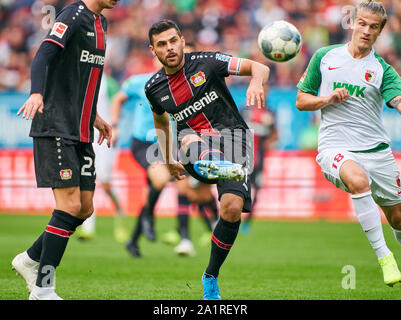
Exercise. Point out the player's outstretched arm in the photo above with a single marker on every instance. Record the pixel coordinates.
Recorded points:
(105, 130)
(259, 75)
(309, 102)
(165, 138)
(396, 103)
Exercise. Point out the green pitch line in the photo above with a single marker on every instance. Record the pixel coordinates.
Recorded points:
(277, 260)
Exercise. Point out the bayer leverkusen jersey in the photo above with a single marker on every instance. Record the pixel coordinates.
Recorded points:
(73, 77)
(196, 96)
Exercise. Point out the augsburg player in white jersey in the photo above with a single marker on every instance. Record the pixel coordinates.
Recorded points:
(348, 83)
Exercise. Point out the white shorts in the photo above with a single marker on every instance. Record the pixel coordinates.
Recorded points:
(380, 167)
(104, 161)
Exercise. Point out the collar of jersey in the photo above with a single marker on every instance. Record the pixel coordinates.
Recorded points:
(372, 51)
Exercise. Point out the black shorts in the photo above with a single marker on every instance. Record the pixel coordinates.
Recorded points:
(241, 188)
(64, 163)
(143, 155)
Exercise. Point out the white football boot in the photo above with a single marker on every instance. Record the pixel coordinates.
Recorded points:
(46, 293)
(26, 268)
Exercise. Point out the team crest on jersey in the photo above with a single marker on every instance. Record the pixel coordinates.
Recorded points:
(59, 30)
(198, 79)
(66, 174)
(370, 76)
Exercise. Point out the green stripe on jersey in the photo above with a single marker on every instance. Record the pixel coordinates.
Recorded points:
(380, 147)
(391, 82)
(310, 83)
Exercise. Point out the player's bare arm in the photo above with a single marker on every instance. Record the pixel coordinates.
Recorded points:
(31, 106)
(116, 105)
(105, 130)
(308, 102)
(165, 139)
(259, 75)
(396, 103)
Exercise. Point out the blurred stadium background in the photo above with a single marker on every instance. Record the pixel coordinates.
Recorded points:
(293, 186)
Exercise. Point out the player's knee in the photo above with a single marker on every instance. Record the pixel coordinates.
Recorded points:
(231, 210)
(359, 184)
(86, 211)
(73, 207)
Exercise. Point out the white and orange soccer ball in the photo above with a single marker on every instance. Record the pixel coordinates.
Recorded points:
(280, 41)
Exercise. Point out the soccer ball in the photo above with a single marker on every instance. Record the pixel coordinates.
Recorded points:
(279, 41)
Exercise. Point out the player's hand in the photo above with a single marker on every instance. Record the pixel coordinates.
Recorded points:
(176, 169)
(31, 106)
(255, 95)
(338, 96)
(105, 130)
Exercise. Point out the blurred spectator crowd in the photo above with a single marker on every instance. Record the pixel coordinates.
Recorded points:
(230, 26)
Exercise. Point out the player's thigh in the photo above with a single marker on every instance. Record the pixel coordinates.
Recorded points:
(386, 184)
(354, 177)
(337, 165)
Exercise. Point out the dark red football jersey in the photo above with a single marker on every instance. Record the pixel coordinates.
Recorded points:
(196, 96)
(73, 77)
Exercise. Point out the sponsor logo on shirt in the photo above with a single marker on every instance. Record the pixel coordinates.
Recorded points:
(222, 57)
(66, 174)
(165, 98)
(59, 30)
(90, 34)
(87, 57)
(353, 90)
(370, 76)
(198, 79)
(196, 106)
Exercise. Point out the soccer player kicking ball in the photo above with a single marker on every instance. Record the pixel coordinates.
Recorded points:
(214, 141)
(65, 76)
(348, 84)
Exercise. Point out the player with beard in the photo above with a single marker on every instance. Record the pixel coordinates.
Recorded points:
(214, 141)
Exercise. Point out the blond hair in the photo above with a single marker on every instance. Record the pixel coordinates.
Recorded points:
(375, 7)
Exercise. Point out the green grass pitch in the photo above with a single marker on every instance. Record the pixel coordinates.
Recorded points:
(276, 261)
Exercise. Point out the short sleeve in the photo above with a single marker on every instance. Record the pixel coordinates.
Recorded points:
(223, 64)
(312, 78)
(391, 84)
(156, 108)
(63, 27)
